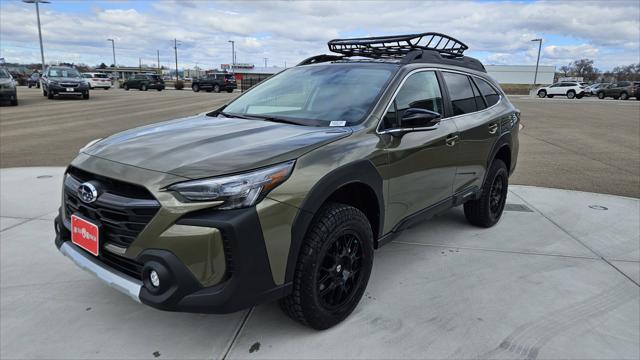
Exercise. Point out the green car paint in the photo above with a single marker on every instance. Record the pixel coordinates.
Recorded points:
(417, 170)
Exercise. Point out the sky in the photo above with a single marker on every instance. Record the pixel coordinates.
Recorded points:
(286, 32)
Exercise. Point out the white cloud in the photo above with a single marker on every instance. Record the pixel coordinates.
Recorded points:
(497, 32)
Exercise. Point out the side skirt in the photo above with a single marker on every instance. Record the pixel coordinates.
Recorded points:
(429, 212)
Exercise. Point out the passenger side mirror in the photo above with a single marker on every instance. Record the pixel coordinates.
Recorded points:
(417, 119)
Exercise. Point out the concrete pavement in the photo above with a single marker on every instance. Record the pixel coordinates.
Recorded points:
(556, 278)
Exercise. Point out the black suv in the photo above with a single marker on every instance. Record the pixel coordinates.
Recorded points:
(144, 82)
(215, 82)
(64, 81)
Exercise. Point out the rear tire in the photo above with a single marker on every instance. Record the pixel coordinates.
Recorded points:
(550, 96)
(230, 90)
(542, 94)
(333, 267)
(216, 88)
(571, 94)
(14, 102)
(195, 88)
(143, 87)
(487, 210)
(126, 87)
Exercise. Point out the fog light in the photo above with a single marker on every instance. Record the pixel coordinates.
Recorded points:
(154, 278)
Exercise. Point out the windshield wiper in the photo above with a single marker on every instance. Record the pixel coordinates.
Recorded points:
(278, 120)
(229, 115)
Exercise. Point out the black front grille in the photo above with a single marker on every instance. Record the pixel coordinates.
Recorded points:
(122, 264)
(69, 84)
(121, 209)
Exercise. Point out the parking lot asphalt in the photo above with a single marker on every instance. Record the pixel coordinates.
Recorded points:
(581, 144)
(556, 278)
(47, 132)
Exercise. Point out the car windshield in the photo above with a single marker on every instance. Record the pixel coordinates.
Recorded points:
(64, 73)
(4, 74)
(315, 95)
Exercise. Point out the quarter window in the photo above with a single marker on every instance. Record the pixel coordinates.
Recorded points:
(420, 90)
(490, 94)
(460, 92)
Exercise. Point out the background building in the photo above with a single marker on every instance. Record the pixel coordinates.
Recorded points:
(521, 74)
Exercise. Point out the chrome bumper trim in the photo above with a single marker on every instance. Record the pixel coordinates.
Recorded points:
(124, 283)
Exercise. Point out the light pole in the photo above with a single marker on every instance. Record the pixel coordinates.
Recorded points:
(233, 55)
(39, 30)
(175, 49)
(113, 48)
(535, 77)
(265, 62)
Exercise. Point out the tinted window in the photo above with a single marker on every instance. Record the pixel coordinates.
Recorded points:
(477, 97)
(460, 92)
(490, 94)
(64, 72)
(420, 90)
(625, 83)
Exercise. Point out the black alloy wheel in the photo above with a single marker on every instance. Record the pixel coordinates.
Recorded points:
(338, 276)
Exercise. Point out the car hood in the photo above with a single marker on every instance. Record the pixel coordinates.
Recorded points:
(5, 81)
(204, 146)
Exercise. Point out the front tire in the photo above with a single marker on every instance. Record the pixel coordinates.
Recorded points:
(143, 87)
(487, 210)
(216, 88)
(333, 267)
(195, 88)
(126, 87)
(601, 95)
(542, 94)
(85, 96)
(624, 96)
(571, 94)
(14, 102)
(49, 95)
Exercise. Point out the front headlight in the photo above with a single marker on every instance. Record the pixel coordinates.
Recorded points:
(237, 191)
(53, 82)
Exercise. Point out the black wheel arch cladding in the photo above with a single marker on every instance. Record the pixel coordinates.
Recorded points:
(362, 171)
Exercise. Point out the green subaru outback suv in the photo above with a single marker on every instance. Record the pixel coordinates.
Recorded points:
(285, 192)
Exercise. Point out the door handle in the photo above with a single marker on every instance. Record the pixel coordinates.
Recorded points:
(451, 140)
(493, 128)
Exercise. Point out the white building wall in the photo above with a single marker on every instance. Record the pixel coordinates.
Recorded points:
(521, 74)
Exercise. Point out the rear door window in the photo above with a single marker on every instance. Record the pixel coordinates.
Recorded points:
(460, 92)
(490, 94)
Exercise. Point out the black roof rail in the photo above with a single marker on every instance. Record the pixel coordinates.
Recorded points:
(319, 59)
(398, 46)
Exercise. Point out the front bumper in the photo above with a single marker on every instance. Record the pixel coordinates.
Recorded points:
(61, 90)
(8, 93)
(248, 279)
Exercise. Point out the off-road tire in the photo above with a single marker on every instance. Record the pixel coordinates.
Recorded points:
(571, 94)
(624, 96)
(332, 223)
(195, 88)
(600, 95)
(542, 94)
(216, 88)
(480, 212)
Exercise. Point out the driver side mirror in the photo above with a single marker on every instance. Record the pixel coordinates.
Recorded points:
(417, 119)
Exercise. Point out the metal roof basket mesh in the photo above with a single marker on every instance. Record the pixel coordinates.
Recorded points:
(397, 46)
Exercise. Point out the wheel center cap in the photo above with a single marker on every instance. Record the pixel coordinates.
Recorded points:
(339, 268)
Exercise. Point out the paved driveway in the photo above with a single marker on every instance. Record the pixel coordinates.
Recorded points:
(555, 278)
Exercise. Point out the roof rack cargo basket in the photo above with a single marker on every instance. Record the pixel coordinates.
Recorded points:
(397, 46)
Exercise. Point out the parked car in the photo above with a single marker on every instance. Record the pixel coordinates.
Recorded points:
(570, 89)
(34, 80)
(144, 82)
(215, 82)
(8, 89)
(593, 89)
(97, 80)
(63, 81)
(620, 90)
(284, 193)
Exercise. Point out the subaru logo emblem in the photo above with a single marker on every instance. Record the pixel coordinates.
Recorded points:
(87, 192)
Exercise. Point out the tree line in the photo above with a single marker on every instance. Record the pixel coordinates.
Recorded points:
(584, 68)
